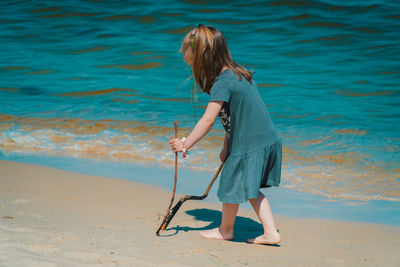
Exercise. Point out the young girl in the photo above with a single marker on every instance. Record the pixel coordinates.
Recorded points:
(252, 149)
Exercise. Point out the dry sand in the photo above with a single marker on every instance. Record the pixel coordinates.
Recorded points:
(50, 217)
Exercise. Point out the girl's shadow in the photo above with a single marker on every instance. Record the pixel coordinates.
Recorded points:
(244, 227)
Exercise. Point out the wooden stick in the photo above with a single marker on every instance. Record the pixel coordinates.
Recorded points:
(173, 211)
(175, 180)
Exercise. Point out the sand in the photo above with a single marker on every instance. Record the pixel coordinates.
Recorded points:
(50, 217)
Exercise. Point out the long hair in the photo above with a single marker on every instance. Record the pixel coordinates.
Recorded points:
(206, 49)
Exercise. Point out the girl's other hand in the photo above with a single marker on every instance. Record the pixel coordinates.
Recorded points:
(223, 155)
(176, 145)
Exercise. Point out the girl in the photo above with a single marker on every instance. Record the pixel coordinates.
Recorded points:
(252, 149)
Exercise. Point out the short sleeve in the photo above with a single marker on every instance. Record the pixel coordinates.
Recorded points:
(219, 91)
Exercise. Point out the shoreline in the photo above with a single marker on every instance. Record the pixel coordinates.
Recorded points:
(286, 201)
(52, 217)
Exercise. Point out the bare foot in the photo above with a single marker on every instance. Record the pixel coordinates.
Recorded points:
(270, 239)
(216, 234)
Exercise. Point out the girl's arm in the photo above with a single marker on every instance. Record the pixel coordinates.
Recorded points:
(202, 127)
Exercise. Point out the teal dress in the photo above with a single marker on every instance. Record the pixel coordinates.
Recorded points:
(255, 148)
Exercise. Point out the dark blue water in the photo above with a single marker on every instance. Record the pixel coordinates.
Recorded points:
(100, 79)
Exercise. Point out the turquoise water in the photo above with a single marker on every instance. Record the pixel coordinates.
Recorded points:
(99, 79)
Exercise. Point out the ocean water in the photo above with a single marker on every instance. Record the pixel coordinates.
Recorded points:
(105, 80)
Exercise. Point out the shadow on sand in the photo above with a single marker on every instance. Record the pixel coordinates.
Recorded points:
(244, 227)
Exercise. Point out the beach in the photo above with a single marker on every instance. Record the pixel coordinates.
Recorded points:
(52, 217)
(90, 91)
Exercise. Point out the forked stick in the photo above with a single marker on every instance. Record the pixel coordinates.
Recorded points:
(173, 211)
(175, 180)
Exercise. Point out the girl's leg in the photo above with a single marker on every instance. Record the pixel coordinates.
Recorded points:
(264, 213)
(225, 230)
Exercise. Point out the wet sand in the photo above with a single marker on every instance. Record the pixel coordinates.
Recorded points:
(50, 217)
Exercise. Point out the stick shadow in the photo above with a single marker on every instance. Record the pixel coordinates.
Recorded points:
(244, 227)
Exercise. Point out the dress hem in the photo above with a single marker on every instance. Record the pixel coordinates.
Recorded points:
(245, 200)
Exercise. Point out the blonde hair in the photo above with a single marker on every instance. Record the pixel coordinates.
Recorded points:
(209, 53)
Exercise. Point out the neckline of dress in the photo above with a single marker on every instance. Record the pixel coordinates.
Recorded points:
(226, 70)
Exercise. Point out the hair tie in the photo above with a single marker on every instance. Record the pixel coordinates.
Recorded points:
(195, 29)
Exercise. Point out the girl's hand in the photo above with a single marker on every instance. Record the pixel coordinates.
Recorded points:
(223, 155)
(176, 145)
